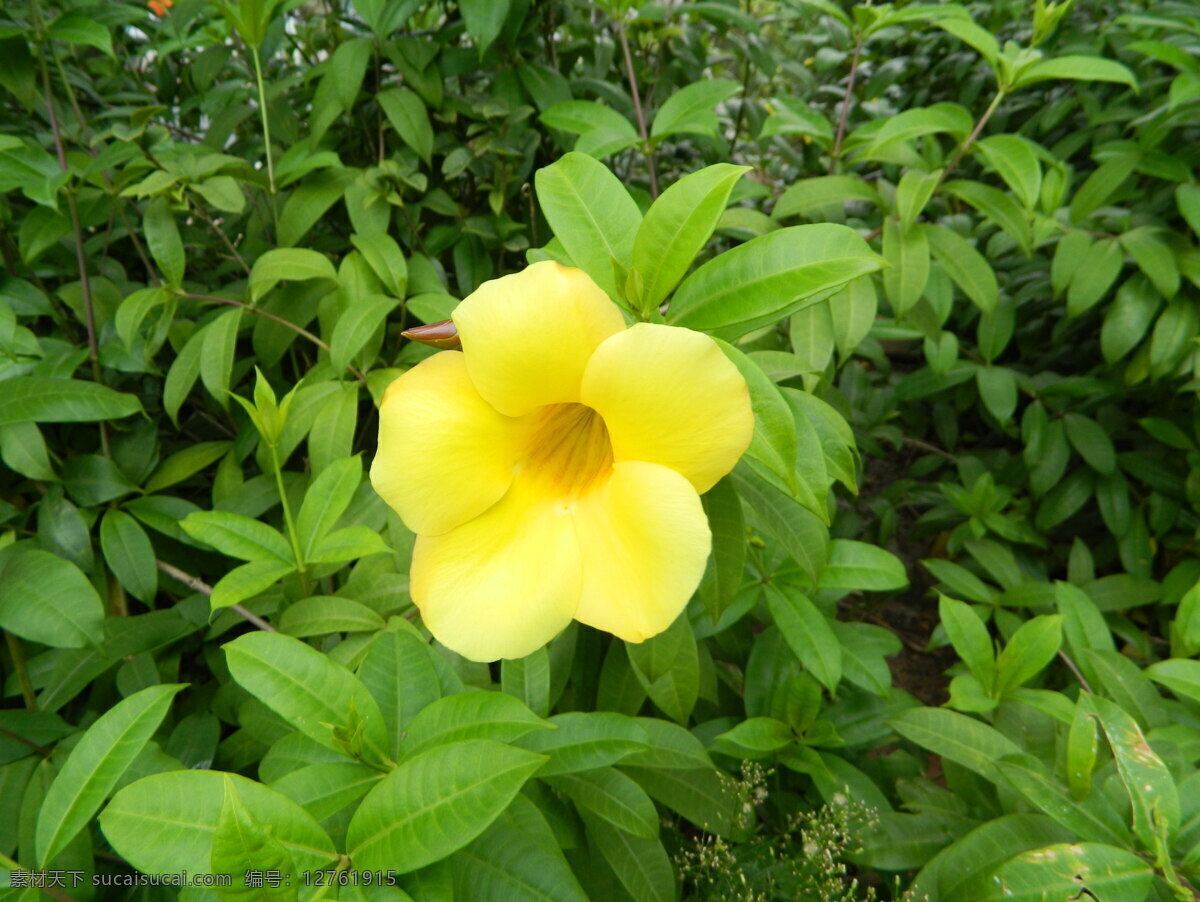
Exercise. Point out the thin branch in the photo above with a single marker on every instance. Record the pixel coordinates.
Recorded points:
(966, 145)
(198, 585)
(17, 737)
(299, 330)
(1075, 670)
(841, 129)
(637, 109)
(17, 652)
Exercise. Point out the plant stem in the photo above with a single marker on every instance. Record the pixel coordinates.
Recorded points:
(262, 109)
(647, 148)
(289, 521)
(975, 132)
(198, 585)
(17, 651)
(299, 330)
(849, 95)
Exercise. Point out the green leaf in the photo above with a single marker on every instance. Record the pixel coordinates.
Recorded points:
(800, 534)
(528, 679)
(962, 739)
(689, 110)
(913, 192)
(185, 463)
(348, 544)
(1064, 871)
(165, 823)
(308, 202)
(1180, 675)
(583, 116)
(182, 375)
(324, 614)
(1100, 185)
(1187, 199)
(965, 265)
(998, 391)
(668, 667)
(435, 803)
(407, 114)
(325, 502)
(48, 600)
(464, 716)
(238, 536)
(1030, 648)
(755, 737)
(586, 740)
(241, 844)
(770, 277)
(1090, 820)
(399, 672)
(41, 400)
(1149, 783)
(907, 254)
(129, 554)
(1014, 160)
(385, 258)
(162, 238)
(1077, 68)
(1096, 274)
(640, 864)
(1092, 442)
(291, 264)
(592, 214)
(609, 794)
(218, 352)
(970, 639)
(357, 323)
(1081, 751)
(677, 226)
(1128, 317)
(997, 206)
(308, 689)
(223, 192)
(814, 195)
(941, 118)
(484, 19)
(726, 567)
(78, 28)
(247, 581)
(1154, 258)
(858, 565)
(96, 764)
(807, 633)
(517, 857)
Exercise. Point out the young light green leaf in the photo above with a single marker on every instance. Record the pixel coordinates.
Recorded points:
(970, 639)
(689, 110)
(677, 226)
(907, 254)
(770, 277)
(592, 214)
(1031, 648)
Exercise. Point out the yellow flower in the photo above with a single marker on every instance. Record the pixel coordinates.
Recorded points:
(552, 469)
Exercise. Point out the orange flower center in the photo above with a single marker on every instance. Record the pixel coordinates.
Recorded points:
(568, 449)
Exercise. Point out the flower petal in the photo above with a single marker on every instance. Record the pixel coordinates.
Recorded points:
(644, 539)
(670, 396)
(502, 585)
(445, 455)
(528, 336)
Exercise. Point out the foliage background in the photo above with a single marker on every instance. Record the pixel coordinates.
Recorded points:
(956, 576)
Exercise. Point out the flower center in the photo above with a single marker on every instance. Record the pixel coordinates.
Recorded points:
(568, 449)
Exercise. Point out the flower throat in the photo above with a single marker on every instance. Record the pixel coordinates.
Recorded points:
(568, 449)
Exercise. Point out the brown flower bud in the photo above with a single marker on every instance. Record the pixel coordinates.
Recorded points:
(441, 335)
